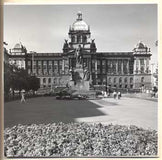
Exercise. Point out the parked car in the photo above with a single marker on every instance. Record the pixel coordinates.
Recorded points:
(99, 94)
(66, 94)
(79, 96)
(63, 95)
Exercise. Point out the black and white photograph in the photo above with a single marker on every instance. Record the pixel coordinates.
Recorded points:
(80, 80)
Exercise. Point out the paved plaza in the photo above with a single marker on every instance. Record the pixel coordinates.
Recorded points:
(126, 111)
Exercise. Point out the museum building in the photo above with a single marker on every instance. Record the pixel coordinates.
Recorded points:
(113, 69)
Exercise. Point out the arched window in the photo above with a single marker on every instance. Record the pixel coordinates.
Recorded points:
(142, 79)
(120, 80)
(110, 80)
(125, 80)
(131, 80)
(115, 80)
(44, 80)
(78, 38)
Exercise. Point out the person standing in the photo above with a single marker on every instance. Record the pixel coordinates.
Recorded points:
(23, 97)
(119, 95)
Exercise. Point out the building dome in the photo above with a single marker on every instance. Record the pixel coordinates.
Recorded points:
(140, 45)
(79, 24)
(18, 46)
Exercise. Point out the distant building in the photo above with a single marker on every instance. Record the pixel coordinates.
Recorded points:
(18, 56)
(6, 55)
(113, 69)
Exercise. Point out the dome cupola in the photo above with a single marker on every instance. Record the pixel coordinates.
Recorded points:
(140, 45)
(18, 46)
(79, 24)
(141, 48)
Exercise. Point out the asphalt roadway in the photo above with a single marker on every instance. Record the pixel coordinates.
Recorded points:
(126, 111)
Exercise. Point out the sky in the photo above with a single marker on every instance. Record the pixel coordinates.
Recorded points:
(115, 27)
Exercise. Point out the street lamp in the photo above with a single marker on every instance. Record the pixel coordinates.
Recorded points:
(51, 81)
(32, 62)
(152, 67)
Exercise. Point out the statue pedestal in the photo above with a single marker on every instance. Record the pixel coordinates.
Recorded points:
(79, 84)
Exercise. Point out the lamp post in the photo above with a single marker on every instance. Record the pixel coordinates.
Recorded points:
(106, 82)
(152, 70)
(33, 63)
(52, 81)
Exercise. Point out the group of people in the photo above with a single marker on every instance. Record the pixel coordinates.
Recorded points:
(117, 95)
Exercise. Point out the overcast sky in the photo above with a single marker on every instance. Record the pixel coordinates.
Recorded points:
(115, 27)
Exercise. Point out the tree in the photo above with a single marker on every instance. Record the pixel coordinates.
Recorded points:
(7, 79)
(18, 79)
(34, 83)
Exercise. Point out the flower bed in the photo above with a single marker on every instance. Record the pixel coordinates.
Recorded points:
(78, 139)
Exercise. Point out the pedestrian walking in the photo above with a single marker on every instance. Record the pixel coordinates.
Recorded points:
(114, 94)
(105, 94)
(23, 97)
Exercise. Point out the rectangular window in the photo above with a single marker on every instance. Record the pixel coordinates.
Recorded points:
(142, 61)
(55, 62)
(98, 62)
(44, 64)
(93, 65)
(39, 63)
(34, 71)
(119, 66)
(45, 71)
(50, 71)
(29, 71)
(103, 70)
(29, 63)
(60, 62)
(44, 67)
(50, 62)
(98, 70)
(103, 62)
(34, 63)
(39, 71)
(113, 67)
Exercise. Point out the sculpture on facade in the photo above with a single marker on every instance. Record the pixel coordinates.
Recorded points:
(78, 55)
(86, 76)
(66, 46)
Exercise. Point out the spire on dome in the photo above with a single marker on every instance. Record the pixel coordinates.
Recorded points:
(79, 16)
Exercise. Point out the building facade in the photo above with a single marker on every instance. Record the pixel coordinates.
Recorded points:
(114, 69)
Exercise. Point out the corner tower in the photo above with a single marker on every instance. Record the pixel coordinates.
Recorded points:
(142, 72)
